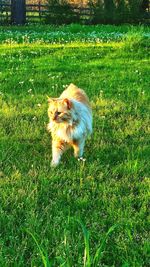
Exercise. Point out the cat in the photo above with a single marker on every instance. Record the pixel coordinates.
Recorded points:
(70, 122)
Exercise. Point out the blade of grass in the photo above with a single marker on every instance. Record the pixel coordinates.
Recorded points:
(99, 251)
(87, 261)
(67, 251)
(61, 261)
(44, 257)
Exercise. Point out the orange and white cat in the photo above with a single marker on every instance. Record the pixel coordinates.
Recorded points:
(70, 122)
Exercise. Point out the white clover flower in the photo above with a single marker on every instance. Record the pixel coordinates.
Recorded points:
(30, 90)
(81, 159)
(39, 105)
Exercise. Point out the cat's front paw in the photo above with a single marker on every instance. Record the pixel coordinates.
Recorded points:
(54, 163)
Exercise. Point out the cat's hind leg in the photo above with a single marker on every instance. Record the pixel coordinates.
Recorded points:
(78, 147)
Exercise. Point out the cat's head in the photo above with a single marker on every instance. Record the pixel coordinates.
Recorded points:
(60, 110)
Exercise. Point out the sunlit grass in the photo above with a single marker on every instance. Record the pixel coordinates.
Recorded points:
(65, 216)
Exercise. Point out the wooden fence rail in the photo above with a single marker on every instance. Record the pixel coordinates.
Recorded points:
(39, 11)
(18, 12)
(36, 11)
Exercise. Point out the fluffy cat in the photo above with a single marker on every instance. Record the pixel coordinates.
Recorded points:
(70, 122)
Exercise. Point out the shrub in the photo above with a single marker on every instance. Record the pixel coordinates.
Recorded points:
(117, 11)
(61, 12)
(135, 39)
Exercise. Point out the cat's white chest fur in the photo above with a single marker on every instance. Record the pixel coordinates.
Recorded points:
(62, 134)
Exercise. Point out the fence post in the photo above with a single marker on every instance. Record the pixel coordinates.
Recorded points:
(39, 6)
(18, 11)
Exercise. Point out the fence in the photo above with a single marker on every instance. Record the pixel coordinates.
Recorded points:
(21, 12)
(18, 12)
(5, 11)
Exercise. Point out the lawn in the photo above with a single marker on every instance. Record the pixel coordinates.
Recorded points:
(81, 214)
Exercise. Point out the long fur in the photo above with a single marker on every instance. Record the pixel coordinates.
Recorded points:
(72, 125)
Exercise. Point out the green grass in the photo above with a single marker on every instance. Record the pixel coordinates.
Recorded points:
(92, 213)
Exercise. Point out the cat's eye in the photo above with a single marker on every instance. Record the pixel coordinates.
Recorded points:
(58, 112)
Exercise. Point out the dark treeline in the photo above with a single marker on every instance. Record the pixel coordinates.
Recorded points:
(101, 11)
(118, 11)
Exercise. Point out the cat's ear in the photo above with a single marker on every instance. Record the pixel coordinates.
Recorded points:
(50, 100)
(68, 103)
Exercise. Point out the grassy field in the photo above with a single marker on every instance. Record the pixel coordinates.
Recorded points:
(92, 213)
